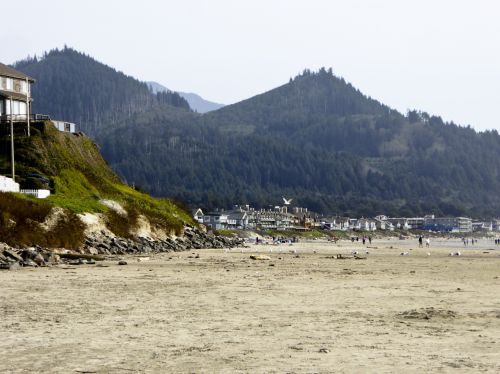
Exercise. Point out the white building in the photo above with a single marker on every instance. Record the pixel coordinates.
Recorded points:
(64, 126)
(8, 185)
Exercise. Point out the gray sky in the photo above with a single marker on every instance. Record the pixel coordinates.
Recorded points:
(440, 56)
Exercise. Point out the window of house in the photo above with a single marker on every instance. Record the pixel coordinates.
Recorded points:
(18, 107)
(2, 107)
(15, 107)
(17, 85)
(3, 83)
(10, 84)
(24, 87)
(22, 107)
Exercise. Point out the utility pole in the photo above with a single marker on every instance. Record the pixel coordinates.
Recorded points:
(12, 140)
(28, 105)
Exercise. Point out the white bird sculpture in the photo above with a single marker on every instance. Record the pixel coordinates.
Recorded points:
(287, 201)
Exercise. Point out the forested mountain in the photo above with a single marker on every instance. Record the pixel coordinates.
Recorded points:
(74, 87)
(196, 102)
(316, 139)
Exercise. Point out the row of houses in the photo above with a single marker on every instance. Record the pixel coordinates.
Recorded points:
(248, 218)
(300, 219)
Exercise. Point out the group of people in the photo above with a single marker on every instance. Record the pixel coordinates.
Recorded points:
(466, 241)
(277, 240)
(421, 242)
(363, 238)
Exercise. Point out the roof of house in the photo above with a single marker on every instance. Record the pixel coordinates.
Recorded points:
(7, 71)
(196, 211)
(237, 215)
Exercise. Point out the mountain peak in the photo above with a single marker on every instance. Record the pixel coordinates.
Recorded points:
(73, 86)
(323, 92)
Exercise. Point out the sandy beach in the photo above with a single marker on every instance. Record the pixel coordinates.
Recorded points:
(301, 311)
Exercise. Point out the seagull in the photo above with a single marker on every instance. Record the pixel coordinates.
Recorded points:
(287, 201)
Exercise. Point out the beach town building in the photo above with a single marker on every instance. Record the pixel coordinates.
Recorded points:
(198, 215)
(382, 223)
(335, 223)
(399, 223)
(495, 225)
(245, 217)
(216, 220)
(354, 224)
(366, 224)
(237, 219)
(415, 223)
(448, 224)
(482, 226)
(272, 220)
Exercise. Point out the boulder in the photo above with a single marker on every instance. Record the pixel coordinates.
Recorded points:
(13, 255)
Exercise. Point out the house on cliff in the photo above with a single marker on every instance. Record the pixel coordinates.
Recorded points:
(15, 94)
(16, 100)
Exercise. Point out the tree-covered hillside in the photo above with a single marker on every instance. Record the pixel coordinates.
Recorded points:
(321, 141)
(316, 139)
(74, 87)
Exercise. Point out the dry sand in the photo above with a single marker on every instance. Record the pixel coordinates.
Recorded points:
(223, 312)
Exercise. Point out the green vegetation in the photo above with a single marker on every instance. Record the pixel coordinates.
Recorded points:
(21, 221)
(227, 233)
(79, 179)
(74, 192)
(356, 158)
(316, 139)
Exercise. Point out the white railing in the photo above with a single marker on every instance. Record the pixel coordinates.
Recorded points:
(40, 194)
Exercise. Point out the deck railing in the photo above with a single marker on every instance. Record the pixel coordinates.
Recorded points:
(6, 118)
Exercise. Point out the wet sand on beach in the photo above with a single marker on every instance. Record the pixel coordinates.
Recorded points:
(301, 311)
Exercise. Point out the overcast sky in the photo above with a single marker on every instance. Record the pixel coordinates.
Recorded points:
(440, 56)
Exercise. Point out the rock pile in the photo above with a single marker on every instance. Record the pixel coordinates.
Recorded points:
(14, 258)
(102, 244)
(193, 238)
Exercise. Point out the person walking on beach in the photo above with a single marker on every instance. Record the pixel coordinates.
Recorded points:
(420, 241)
(427, 242)
(364, 239)
(370, 239)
